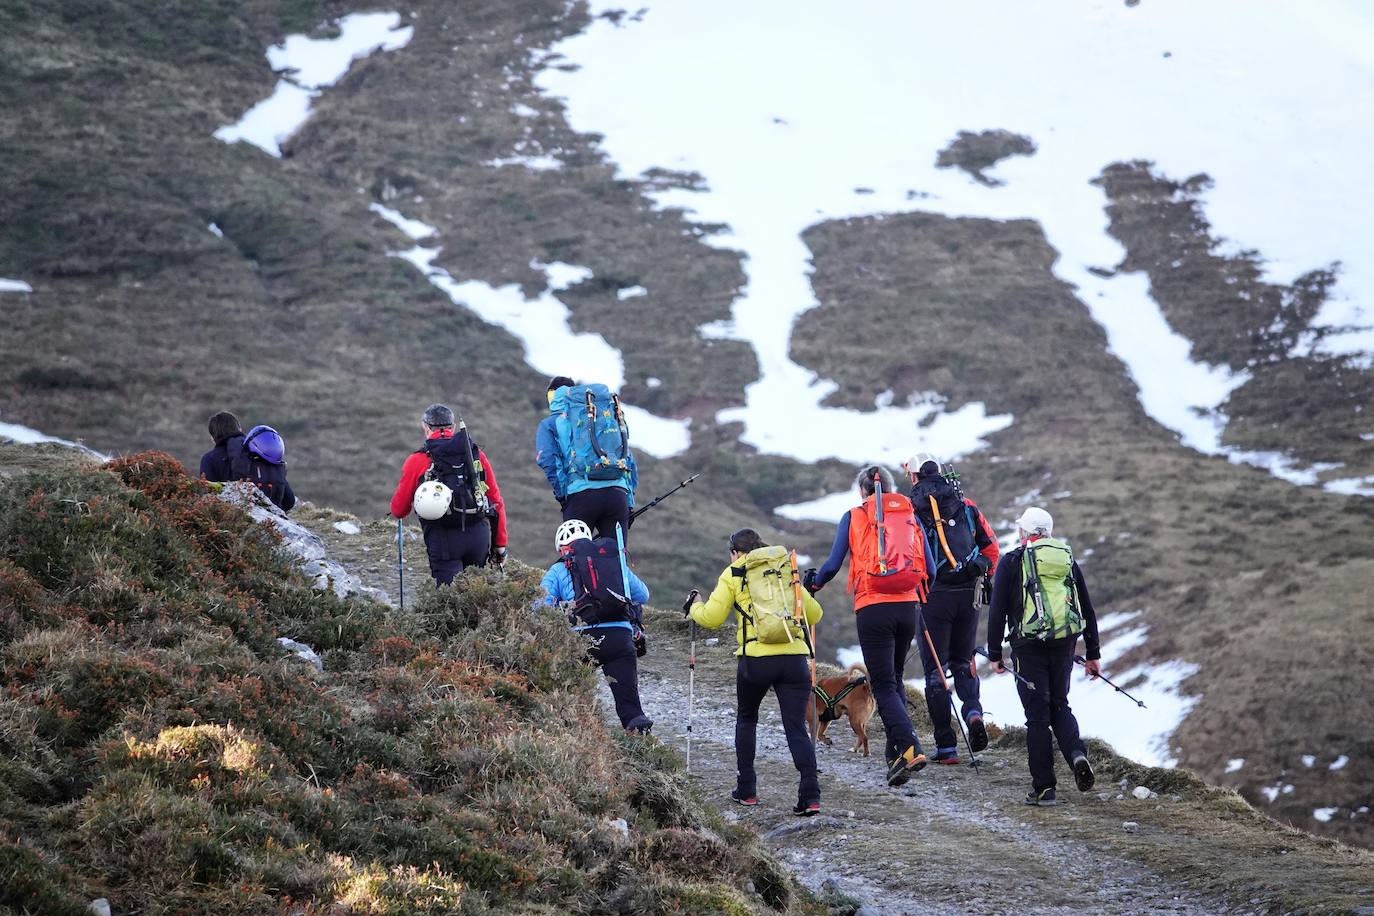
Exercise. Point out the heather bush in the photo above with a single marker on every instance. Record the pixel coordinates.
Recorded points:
(159, 748)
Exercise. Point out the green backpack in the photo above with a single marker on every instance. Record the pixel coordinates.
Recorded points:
(1050, 597)
(767, 575)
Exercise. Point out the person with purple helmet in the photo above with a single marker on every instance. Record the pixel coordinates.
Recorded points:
(260, 456)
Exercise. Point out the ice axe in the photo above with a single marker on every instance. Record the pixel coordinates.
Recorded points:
(1020, 678)
(1079, 660)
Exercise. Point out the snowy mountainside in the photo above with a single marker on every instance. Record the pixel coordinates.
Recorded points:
(769, 259)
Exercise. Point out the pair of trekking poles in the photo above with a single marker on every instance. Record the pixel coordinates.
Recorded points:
(1077, 660)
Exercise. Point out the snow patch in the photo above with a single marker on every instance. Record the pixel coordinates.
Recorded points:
(1339, 763)
(216, 231)
(1234, 764)
(1270, 792)
(1324, 814)
(652, 382)
(1309, 761)
(1351, 486)
(824, 509)
(534, 163)
(308, 66)
(26, 435)
(631, 292)
(1115, 619)
(541, 324)
(412, 227)
(14, 286)
(849, 655)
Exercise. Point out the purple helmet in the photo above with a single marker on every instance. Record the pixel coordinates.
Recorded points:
(264, 442)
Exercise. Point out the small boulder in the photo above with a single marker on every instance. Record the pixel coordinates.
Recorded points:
(1142, 793)
(1130, 826)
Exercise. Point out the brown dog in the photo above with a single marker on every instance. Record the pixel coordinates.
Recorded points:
(849, 695)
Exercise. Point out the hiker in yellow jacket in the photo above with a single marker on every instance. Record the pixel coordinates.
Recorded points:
(762, 587)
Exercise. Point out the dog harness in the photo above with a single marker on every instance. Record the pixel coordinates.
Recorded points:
(830, 713)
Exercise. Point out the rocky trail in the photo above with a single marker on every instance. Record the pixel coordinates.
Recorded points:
(954, 839)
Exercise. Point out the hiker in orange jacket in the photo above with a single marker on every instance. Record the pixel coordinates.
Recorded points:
(888, 559)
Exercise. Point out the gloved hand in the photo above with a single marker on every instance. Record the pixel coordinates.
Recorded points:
(978, 567)
(809, 581)
(498, 556)
(692, 596)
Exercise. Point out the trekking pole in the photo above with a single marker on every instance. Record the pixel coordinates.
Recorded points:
(1020, 678)
(953, 709)
(1079, 660)
(691, 672)
(658, 499)
(401, 559)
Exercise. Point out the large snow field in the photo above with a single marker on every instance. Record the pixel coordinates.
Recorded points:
(786, 109)
(308, 66)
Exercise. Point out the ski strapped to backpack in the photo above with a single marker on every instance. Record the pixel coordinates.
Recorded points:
(453, 462)
(777, 618)
(1051, 606)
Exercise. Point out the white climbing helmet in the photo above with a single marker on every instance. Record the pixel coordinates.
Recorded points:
(914, 464)
(432, 500)
(574, 529)
(1036, 521)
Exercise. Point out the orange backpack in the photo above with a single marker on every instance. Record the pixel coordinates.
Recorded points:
(887, 547)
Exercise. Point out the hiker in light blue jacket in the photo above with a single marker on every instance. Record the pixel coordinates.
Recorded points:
(587, 461)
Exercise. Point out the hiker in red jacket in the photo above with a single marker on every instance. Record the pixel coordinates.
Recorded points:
(472, 532)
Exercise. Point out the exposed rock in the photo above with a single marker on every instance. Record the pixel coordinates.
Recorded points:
(1130, 826)
(308, 548)
(620, 826)
(303, 652)
(100, 907)
(1142, 793)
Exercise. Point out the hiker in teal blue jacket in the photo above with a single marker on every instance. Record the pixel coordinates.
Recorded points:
(601, 503)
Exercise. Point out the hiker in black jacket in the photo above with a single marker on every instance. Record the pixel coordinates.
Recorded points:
(1046, 660)
(949, 614)
(215, 464)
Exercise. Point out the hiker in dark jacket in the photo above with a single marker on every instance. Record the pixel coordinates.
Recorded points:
(456, 541)
(215, 464)
(602, 504)
(1045, 662)
(949, 614)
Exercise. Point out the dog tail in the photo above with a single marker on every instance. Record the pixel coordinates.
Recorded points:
(857, 669)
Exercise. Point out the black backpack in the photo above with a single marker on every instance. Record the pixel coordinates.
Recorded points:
(455, 462)
(268, 477)
(598, 576)
(948, 524)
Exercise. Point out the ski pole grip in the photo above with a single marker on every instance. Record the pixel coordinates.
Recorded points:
(692, 596)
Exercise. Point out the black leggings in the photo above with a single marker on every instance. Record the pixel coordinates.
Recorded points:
(788, 676)
(601, 509)
(885, 633)
(951, 618)
(613, 650)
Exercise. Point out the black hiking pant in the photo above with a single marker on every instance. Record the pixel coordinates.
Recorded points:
(601, 509)
(613, 651)
(885, 634)
(451, 550)
(788, 676)
(951, 619)
(1048, 667)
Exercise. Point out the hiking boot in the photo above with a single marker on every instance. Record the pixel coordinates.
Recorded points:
(1083, 773)
(977, 733)
(1043, 798)
(806, 809)
(747, 799)
(950, 757)
(909, 761)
